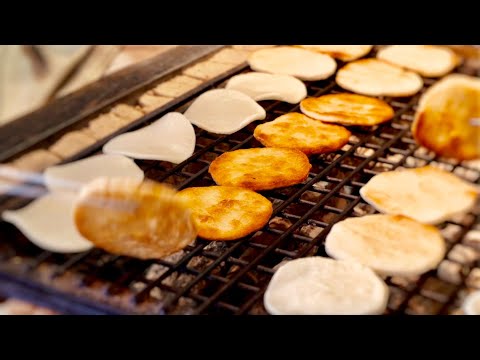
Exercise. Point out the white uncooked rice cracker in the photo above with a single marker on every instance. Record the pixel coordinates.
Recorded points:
(224, 111)
(378, 78)
(170, 138)
(427, 194)
(391, 245)
(263, 86)
(73, 175)
(323, 286)
(427, 60)
(48, 223)
(288, 60)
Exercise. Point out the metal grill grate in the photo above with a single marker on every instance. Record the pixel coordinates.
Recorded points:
(231, 277)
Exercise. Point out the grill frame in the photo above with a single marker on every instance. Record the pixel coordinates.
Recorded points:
(233, 269)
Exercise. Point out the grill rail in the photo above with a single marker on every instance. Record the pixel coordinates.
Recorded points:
(231, 277)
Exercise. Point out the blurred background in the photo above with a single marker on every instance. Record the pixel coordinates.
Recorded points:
(32, 75)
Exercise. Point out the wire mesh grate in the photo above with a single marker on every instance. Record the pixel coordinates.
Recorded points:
(231, 277)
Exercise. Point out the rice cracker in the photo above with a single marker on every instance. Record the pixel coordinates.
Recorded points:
(323, 286)
(391, 245)
(124, 217)
(444, 120)
(297, 62)
(260, 168)
(347, 109)
(427, 194)
(427, 60)
(378, 78)
(298, 131)
(225, 212)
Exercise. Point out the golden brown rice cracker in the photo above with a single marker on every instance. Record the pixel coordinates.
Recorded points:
(347, 109)
(145, 221)
(298, 131)
(226, 213)
(260, 168)
(443, 121)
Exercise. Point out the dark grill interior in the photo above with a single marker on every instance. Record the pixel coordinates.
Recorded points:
(231, 277)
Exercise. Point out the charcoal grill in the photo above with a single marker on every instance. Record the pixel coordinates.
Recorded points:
(231, 277)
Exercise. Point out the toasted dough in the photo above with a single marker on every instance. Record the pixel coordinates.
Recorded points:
(391, 245)
(261, 168)
(323, 286)
(298, 131)
(427, 60)
(378, 78)
(289, 60)
(342, 52)
(225, 212)
(124, 217)
(426, 194)
(444, 119)
(347, 109)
